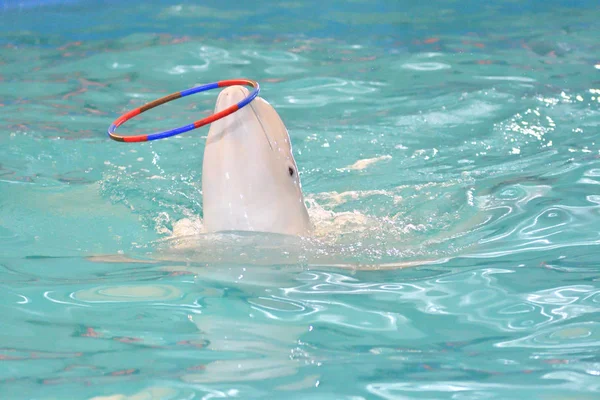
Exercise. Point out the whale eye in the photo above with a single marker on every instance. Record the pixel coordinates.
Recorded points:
(291, 171)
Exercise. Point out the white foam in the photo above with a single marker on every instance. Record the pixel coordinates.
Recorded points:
(426, 66)
(364, 163)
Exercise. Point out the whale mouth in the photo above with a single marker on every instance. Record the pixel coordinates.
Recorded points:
(262, 125)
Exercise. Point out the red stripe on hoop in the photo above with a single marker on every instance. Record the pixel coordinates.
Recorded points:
(217, 116)
(127, 116)
(133, 139)
(232, 82)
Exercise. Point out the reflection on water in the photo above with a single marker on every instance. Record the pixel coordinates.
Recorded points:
(128, 294)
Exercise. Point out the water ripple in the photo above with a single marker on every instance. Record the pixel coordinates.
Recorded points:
(136, 293)
(474, 156)
(426, 66)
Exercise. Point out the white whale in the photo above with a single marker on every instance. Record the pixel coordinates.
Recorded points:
(250, 184)
(250, 179)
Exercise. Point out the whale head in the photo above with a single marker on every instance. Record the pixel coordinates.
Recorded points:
(250, 179)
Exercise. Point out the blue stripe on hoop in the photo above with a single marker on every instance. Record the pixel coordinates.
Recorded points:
(248, 99)
(199, 89)
(172, 132)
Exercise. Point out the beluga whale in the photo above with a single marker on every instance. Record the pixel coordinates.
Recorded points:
(254, 210)
(250, 179)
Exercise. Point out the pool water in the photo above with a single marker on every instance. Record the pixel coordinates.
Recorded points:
(459, 138)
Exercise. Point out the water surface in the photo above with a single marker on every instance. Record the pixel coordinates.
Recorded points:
(479, 126)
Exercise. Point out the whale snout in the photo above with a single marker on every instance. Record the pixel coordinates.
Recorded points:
(230, 96)
(250, 120)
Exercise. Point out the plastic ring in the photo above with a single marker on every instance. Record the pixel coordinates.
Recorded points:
(195, 125)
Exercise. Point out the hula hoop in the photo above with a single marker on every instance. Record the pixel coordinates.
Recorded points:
(197, 124)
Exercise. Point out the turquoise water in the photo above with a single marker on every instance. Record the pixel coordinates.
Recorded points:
(480, 124)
